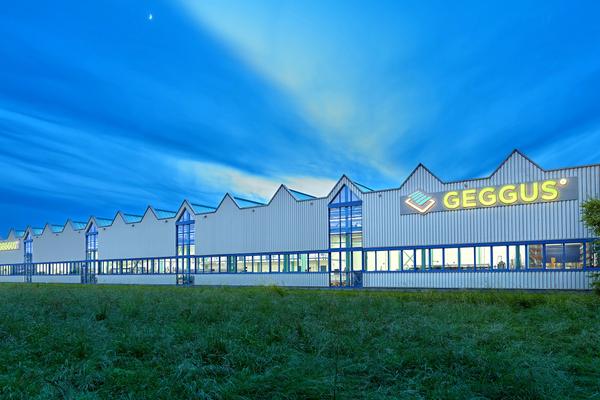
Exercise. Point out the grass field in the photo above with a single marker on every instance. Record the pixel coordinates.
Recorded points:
(271, 343)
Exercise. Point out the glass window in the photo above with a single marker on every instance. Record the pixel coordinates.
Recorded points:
(554, 256)
(592, 254)
(91, 239)
(185, 235)
(323, 262)
(357, 239)
(370, 260)
(345, 220)
(499, 257)
(467, 258)
(437, 258)
(484, 257)
(286, 263)
(451, 259)
(303, 262)
(574, 255)
(274, 262)
(408, 260)
(357, 260)
(382, 261)
(294, 262)
(422, 259)
(516, 257)
(313, 262)
(256, 264)
(335, 262)
(535, 256)
(395, 262)
(248, 267)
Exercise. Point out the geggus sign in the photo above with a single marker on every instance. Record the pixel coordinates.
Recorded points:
(420, 202)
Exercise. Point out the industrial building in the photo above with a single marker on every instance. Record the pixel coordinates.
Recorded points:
(519, 228)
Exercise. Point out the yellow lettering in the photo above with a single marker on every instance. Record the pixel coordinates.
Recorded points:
(451, 200)
(526, 197)
(468, 197)
(549, 191)
(507, 194)
(487, 196)
(7, 246)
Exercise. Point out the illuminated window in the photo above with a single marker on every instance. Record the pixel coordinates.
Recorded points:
(592, 255)
(467, 258)
(408, 260)
(574, 255)
(499, 257)
(186, 236)
(91, 243)
(28, 248)
(451, 259)
(554, 256)
(535, 256)
(436, 258)
(382, 260)
(422, 259)
(345, 220)
(395, 260)
(516, 257)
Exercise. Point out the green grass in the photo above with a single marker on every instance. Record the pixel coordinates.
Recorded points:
(100, 342)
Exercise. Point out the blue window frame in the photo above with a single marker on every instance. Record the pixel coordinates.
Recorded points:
(186, 235)
(28, 248)
(91, 243)
(345, 220)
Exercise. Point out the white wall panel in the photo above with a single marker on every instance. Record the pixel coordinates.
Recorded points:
(149, 238)
(12, 279)
(563, 280)
(284, 225)
(136, 279)
(299, 280)
(68, 245)
(56, 279)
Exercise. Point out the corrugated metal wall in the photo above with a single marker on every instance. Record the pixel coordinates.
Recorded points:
(284, 225)
(384, 226)
(566, 280)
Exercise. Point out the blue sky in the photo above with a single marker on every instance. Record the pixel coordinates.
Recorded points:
(104, 109)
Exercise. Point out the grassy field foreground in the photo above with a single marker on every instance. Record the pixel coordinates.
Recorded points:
(271, 343)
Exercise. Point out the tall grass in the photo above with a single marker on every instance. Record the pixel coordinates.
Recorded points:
(99, 342)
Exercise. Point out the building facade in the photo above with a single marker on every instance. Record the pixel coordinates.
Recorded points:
(518, 228)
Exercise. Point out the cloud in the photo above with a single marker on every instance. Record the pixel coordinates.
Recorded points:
(219, 178)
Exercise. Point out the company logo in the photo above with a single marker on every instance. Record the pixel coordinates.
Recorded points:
(7, 246)
(420, 202)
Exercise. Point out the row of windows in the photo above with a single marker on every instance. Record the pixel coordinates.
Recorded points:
(554, 256)
(513, 257)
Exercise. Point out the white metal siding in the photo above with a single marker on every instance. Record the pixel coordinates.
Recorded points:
(149, 238)
(255, 279)
(571, 280)
(284, 225)
(56, 279)
(136, 279)
(64, 246)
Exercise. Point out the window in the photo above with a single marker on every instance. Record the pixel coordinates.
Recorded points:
(422, 259)
(483, 257)
(499, 257)
(313, 262)
(91, 243)
(451, 259)
(369, 261)
(436, 258)
(382, 261)
(535, 256)
(574, 255)
(303, 262)
(592, 254)
(186, 235)
(395, 261)
(274, 262)
(357, 260)
(408, 260)
(345, 220)
(516, 257)
(323, 262)
(467, 258)
(554, 256)
(28, 248)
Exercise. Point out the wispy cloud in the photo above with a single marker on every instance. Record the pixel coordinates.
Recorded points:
(219, 178)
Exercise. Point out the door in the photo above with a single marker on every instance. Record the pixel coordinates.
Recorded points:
(88, 271)
(344, 271)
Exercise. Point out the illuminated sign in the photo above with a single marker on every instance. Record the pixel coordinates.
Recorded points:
(491, 196)
(7, 246)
